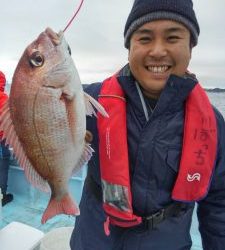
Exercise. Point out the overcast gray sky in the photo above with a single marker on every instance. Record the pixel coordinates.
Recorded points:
(96, 35)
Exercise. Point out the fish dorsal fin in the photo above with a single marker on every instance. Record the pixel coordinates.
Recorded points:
(90, 103)
(85, 157)
(11, 139)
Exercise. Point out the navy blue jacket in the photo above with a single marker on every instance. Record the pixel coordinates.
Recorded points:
(154, 155)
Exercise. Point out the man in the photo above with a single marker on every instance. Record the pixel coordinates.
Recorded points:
(162, 147)
(4, 150)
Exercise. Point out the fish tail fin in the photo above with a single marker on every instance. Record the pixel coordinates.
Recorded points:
(64, 206)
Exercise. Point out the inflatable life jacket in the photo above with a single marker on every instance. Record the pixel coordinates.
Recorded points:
(197, 159)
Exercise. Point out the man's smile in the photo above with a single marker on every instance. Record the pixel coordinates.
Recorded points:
(158, 69)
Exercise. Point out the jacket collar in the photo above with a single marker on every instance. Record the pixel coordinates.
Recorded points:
(171, 99)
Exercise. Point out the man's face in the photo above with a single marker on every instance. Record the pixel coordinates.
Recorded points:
(158, 49)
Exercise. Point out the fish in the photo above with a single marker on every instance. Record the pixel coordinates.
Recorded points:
(44, 119)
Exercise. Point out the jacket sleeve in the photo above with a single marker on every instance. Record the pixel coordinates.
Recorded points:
(211, 210)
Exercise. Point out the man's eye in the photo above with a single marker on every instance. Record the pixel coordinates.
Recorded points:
(145, 39)
(173, 38)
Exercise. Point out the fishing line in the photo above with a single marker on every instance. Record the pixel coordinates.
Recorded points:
(71, 20)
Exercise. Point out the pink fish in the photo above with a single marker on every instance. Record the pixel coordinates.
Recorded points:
(44, 119)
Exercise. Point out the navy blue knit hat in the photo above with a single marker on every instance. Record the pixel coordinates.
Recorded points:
(144, 11)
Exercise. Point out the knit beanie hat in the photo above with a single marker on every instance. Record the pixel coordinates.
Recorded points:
(144, 11)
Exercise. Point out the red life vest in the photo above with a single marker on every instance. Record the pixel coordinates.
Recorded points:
(197, 159)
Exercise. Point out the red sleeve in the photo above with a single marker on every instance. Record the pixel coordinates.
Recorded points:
(3, 99)
(2, 81)
(3, 96)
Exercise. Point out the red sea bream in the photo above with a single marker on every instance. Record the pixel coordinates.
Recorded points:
(44, 120)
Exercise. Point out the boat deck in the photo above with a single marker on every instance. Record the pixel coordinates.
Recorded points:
(29, 203)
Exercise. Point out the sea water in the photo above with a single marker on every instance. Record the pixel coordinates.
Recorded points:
(218, 100)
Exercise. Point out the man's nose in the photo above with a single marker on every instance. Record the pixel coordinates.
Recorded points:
(158, 49)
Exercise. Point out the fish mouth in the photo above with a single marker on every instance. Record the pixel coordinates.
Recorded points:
(56, 38)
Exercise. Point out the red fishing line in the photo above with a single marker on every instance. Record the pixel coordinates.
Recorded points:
(71, 20)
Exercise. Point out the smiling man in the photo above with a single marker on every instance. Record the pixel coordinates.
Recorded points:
(162, 148)
(158, 49)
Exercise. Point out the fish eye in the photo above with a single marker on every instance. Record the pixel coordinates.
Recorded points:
(69, 49)
(36, 59)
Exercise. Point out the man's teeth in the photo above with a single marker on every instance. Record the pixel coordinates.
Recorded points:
(158, 69)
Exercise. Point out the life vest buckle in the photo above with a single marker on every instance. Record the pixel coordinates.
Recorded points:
(154, 219)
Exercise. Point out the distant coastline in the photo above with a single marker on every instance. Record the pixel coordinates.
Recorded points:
(215, 90)
(212, 90)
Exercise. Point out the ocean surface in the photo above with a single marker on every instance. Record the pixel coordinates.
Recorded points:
(218, 100)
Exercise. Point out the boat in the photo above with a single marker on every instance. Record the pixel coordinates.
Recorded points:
(29, 203)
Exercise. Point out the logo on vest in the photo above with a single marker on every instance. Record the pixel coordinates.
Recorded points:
(194, 177)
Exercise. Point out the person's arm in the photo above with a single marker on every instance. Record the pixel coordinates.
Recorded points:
(211, 210)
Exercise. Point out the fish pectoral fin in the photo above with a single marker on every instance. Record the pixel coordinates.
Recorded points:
(11, 138)
(91, 103)
(85, 157)
(68, 94)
